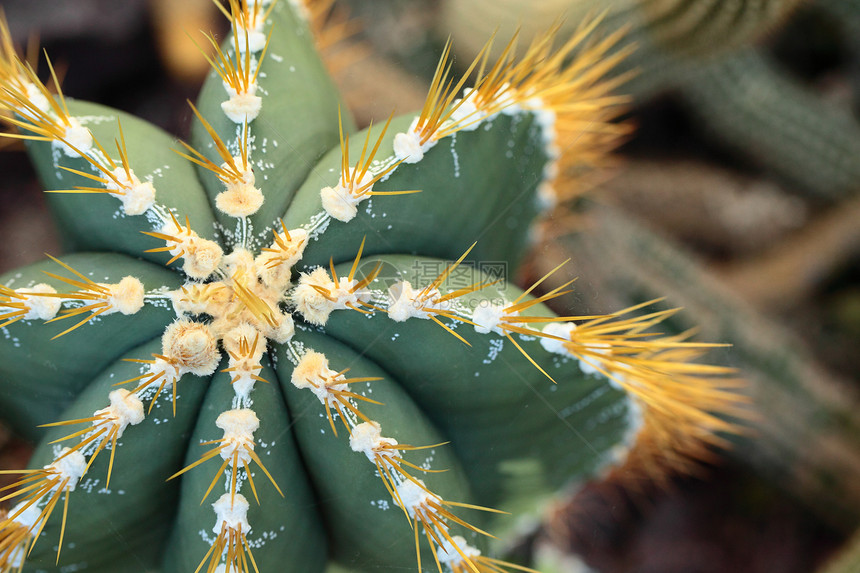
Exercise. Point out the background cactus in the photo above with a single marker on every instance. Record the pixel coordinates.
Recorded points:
(706, 52)
(217, 356)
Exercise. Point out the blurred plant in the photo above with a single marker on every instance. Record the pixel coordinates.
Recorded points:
(847, 560)
(705, 49)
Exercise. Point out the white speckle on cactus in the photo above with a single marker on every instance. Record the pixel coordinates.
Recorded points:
(451, 552)
(192, 346)
(231, 511)
(455, 156)
(126, 296)
(243, 107)
(125, 409)
(415, 497)
(239, 426)
(382, 504)
(70, 466)
(137, 197)
(495, 347)
(341, 201)
(407, 145)
(488, 315)
(366, 437)
(76, 139)
(561, 330)
(41, 307)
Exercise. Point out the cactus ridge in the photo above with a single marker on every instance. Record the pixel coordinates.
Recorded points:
(705, 26)
(265, 316)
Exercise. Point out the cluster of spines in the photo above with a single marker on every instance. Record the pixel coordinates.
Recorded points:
(240, 198)
(356, 181)
(429, 515)
(236, 448)
(685, 405)
(38, 494)
(563, 87)
(33, 113)
(43, 302)
(235, 71)
(247, 294)
(230, 549)
(29, 105)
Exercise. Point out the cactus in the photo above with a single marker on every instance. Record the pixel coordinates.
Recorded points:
(673, 37)
(691, 28)
(797, 135)
(705, 51)
(291, 330)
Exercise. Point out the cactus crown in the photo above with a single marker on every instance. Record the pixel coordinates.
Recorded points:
(294, 288)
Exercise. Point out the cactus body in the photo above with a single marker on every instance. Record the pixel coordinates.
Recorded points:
(325, 357)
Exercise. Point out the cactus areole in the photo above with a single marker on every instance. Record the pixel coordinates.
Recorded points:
(287, 344)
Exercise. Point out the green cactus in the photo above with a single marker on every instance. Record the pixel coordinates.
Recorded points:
(251, 332)
(770, 117)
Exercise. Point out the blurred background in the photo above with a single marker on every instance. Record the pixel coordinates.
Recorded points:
(737, 197)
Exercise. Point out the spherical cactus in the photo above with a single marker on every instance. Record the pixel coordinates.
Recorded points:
(286, 344)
